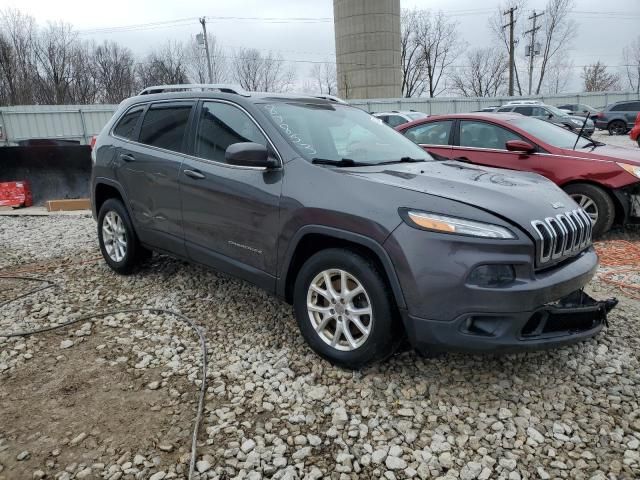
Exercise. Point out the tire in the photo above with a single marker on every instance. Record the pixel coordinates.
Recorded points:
(596, 201)
(617, 127)
(639, 142)
(382, 329)
(121, 249)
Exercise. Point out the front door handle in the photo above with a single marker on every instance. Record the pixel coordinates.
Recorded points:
(127, 157)
(464, 159)
(193, 174)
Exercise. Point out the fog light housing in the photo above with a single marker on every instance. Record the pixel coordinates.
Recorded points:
(492, 276)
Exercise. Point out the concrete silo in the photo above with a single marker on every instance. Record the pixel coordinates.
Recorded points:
(368, 48)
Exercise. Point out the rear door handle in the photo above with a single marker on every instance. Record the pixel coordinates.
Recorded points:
(193, 174)
(127, 157)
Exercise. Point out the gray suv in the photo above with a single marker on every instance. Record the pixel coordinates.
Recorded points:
(618, 118)
(373, 241)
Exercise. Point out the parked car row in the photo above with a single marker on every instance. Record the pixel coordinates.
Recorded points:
(603, 179)
(375, 241)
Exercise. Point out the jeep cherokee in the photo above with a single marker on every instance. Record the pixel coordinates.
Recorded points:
(370, 238)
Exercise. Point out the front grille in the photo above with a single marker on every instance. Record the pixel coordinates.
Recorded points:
(561, 236)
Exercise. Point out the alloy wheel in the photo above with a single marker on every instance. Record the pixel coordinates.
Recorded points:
(339, 309)
(588, 205)
(114, 236)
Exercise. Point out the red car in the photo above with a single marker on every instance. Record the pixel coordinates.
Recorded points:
(635, 131)
(602, 179)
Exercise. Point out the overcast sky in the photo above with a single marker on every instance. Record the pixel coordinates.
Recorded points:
(601, 33)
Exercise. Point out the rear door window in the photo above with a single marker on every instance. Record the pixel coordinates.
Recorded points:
(621, 107)
(165, 124)
(126, 127)
(434, 133)
(221, 125)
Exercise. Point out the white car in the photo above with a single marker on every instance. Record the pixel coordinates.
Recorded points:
(395, 118)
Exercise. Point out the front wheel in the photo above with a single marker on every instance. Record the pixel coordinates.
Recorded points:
(596, 202)
(117, 238)
(344, 310)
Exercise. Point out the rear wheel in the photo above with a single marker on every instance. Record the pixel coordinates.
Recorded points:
(617, 127)
(344, 309)
(596, 202)
(117, 238)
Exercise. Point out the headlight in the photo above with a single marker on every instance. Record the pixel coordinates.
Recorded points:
(460, 226)
(576, 122)
(632, 169)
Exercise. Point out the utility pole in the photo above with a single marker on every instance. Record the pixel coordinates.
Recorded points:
(532, 45)
(203, 22)
(511, 26)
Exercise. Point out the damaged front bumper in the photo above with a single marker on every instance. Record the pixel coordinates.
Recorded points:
(571, 319)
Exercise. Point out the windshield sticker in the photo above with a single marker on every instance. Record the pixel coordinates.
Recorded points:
(294, 137)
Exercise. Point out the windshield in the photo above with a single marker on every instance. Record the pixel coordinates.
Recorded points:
(336, 132)
(556, 111)
(550, 133)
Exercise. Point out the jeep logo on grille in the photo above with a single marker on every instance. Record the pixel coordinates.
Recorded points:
(557, 205)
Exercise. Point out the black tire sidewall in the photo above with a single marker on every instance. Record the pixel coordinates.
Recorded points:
(382, 337)
(611, 127)
(606, 207)
(126, 265)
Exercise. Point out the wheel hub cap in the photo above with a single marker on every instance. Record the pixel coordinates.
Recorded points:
(588, 205)
(114, 236)
(339, 309)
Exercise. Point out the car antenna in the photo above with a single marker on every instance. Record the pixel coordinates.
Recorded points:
(586, 119)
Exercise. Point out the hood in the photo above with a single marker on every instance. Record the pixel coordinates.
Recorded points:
(518, 197)
(609, 152)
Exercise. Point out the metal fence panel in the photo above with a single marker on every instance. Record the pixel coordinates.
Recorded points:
(442, 105)
(81, 122)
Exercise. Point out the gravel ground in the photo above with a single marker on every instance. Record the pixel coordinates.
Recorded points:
(116, 398)
(619, 140)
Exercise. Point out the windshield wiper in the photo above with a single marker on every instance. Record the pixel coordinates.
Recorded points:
(404, 160)
(343, 162)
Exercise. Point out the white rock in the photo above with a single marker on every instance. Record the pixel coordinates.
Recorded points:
(202, 466)
(248, 445)
(395, 463)
(535, 435)
(339, 416)
(471, 471)
(158, 476)
(378, 456)
(66, 343)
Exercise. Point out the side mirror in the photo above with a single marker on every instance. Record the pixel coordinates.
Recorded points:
(249, 154)
(550, 115)
(520, 146)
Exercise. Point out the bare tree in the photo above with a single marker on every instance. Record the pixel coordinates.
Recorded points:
(413, 74)
(164, 66)
(197, 61)
(557, 30)
(597, 79)
(484, 75)
(324, 78)
(501, 34)
(84, 87)
(114, 72)
(255, 72)
(17, 62)
(631, 55)
(439, 46)
(55, 49)
(558, 76)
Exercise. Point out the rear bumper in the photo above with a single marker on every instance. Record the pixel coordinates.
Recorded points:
(571, 319)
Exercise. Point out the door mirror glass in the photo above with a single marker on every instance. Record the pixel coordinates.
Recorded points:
(520, 146)
(249, 154)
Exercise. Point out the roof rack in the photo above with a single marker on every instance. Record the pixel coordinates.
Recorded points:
(331, 98)
(220, 87)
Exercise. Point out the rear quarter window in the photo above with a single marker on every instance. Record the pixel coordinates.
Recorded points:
(626, 107)
(126, 126)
